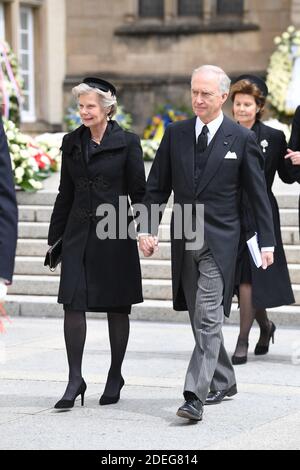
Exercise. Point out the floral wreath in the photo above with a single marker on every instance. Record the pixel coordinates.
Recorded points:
(10, 83)
(283, 78)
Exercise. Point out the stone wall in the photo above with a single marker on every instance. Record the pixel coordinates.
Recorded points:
(151, 61)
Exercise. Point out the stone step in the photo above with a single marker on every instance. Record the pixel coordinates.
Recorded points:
(31, 247)
(34, 223)
(47, 197)
(33, 230)
(35, 213)
(290, 235)
(153, 289)
(294, 270)
(48, 285)
(34, 285)
(34, 265)
(39, 198)
(289, 217)
(149, 310)
(38, 247)
(287, 201)
(39, 230)
(292, 253)
(151, 269)
(42, 213)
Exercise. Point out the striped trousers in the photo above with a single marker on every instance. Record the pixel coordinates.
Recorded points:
(210, 367)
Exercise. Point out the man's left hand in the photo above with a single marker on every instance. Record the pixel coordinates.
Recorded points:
(267, 259)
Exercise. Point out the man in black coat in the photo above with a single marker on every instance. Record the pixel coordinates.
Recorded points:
(8, 216)
(207, 160)
(293, 156)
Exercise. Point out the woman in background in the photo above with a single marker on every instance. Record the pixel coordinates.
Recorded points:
(258, 289)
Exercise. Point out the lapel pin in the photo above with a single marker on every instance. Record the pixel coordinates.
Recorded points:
(265, 145)
(225, 143)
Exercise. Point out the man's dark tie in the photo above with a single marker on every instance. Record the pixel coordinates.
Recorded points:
(202, 140)
(200, 160)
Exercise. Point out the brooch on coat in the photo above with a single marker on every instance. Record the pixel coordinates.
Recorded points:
(265, 145)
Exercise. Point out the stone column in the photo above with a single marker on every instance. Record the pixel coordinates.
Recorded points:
(295, 13)
(15, 26)
(54, 22)
(209, 8)
(170, 10)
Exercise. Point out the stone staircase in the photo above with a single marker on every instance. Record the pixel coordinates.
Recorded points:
(34, 290)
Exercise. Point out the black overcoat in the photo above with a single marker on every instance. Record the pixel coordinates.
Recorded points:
(8, 211)
(271, 287)
(111, 266)
(218, 189)
(294, 144)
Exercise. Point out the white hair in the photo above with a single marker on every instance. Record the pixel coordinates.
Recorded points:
(224, 80)
(107, 100)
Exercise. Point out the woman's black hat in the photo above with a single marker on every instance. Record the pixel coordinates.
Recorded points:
(259, 82)
(102, 85)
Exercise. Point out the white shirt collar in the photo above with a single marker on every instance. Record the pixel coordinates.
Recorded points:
(213, 126)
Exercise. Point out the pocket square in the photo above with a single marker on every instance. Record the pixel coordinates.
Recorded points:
(231, 156)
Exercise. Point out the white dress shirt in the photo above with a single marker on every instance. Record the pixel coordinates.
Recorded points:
(212, 126)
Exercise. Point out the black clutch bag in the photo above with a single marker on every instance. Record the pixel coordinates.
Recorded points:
(53, 255)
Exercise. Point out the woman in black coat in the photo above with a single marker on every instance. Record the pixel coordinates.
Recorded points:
(258, 289)
(100, 268)
(293, 156)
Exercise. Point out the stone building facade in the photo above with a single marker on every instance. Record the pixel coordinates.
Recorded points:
(148, 48)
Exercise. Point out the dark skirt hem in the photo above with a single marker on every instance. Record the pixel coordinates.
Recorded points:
(126, 309)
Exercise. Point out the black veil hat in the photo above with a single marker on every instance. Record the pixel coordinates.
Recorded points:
(259, 82)
(103, 85)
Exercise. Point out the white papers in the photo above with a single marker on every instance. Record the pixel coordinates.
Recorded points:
(255, 251)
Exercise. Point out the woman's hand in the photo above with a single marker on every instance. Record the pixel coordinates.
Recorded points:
(293, 156)
(147, 244)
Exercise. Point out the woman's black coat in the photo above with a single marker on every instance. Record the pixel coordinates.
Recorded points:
(294, 144)
(112, 266)
(271, 287)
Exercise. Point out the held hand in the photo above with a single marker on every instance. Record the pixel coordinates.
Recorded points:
(293, 156)
(267, 259)
(148, 244)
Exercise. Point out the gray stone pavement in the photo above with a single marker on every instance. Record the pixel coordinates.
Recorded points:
(33, 370)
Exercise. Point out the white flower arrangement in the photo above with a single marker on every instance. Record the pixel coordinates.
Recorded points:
(280, 126)
(280, 71)
(150, 147)
(31, 159)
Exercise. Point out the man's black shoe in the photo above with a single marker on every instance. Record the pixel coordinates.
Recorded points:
(191, 409)
(214, 398)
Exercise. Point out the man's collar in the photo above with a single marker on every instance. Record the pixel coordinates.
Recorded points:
(213, 126)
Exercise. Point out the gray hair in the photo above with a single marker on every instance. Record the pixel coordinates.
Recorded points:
(107, 100)
(224, 80)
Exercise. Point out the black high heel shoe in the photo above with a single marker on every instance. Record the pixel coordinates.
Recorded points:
(262, 350)
(111, 399)
(65, 404)
(239, 360)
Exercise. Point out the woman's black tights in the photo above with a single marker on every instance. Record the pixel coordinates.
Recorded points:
(247, 315)
(118, 327)
(75, 335)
